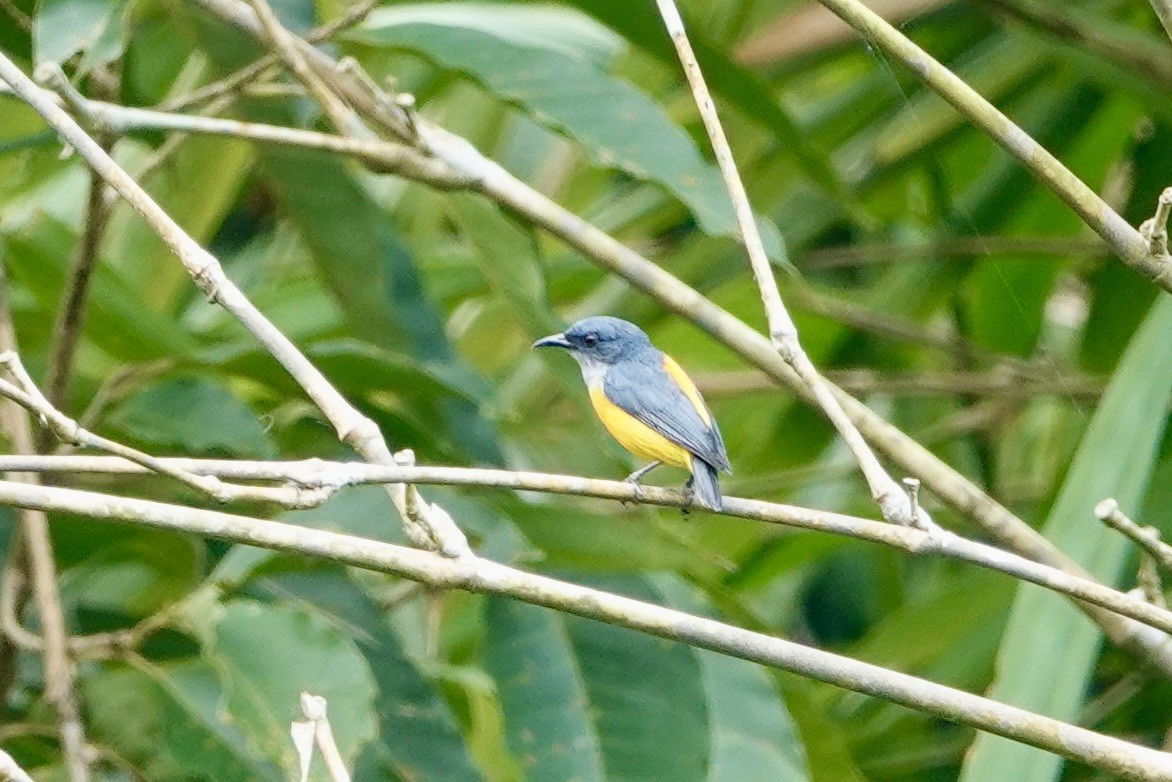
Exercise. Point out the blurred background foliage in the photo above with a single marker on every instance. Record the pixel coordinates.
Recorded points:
(935, 278)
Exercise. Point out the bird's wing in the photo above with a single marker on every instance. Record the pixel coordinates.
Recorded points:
(661, 396)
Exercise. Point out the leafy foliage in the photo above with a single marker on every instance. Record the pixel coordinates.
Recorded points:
(925, 255)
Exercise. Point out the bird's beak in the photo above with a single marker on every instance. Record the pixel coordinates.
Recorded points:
(553, 341)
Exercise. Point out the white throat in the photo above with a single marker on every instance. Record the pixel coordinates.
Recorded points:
(593, 370)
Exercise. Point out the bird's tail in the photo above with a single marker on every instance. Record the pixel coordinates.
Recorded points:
(705, 486)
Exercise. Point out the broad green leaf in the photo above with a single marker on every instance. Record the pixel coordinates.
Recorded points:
(548, 714)
(38, 255)
(135, 575)
(195, 415)
(63, 28)
(167, 720)
(752, 736)
(739, 86)
(617, 124)
(371, 272)
(418, 735)
(267, 655)
(580, 698)
(507, 256)
(1049, 648)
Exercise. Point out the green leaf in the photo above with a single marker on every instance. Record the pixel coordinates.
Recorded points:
(267, 655)
(589, 701)
(62, 28)
(1049, 648)
(417, 732)
(752, 736)
(371, 273)
(739, 86)
(196, 415)
(507, 255)
(137, 574)
(617, 124)
(165, 718)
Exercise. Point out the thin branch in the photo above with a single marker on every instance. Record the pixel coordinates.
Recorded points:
(961, 247)
(1163, 10)
(1155, 229)
(1124, 240)
(461, 160)
(60, 687)
(477, 575)
(1148, 579)
(1006, 381)
(1147, 538)
(71, 314)
(892, 499)
(254, 72)
(431, 525)
(284, 45)
(23, 20)
(27, 395)
(10, 771)
(313, 708)
(339, 474)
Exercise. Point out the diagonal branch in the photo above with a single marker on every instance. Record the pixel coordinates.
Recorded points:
(892, 499)
(493, 181)
(1121, 237)
(60, 687)
(429, 525)
(1107, 753)
(26, 394)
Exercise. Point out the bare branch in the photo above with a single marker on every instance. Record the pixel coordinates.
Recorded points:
(338, 474)
(284, 45)
(1147, 538)
(1126, 242)
(253, 73)
(433, 527)
(477, 575)
(313, 708)
(782, 331)
(1164, 11)
(27, 395)
(9, 771)
(60, 688)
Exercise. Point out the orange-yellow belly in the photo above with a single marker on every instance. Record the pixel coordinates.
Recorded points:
(636, 436)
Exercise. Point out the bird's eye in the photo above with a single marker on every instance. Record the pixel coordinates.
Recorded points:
(591, 340)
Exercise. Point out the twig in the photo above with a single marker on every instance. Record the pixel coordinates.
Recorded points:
(316, 728)
(71, 313)
(10, 771)
(960, 247)
(337, 474)
(1002, 381)
(782, 331)
(285, 44)
(1148, 579)
(1127, 243)
(432, 527)
(60, 689)
(478, 575)
(1164, 11)
(27, 395)
(252, 73)
(1155, 229)
(493, 181)
(1147, 538)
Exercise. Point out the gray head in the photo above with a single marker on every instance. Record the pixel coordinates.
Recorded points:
(600, 340)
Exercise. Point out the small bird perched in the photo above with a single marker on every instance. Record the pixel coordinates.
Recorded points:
(647, 402)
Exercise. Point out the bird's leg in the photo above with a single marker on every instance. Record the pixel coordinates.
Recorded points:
(634, 477)
(689, 495)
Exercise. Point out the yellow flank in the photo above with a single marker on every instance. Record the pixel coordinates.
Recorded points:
(635, 436)
(687, 386)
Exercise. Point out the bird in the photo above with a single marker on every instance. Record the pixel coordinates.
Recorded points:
(647, 403)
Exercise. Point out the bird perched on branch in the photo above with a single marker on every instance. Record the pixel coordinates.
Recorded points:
(647, 402)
